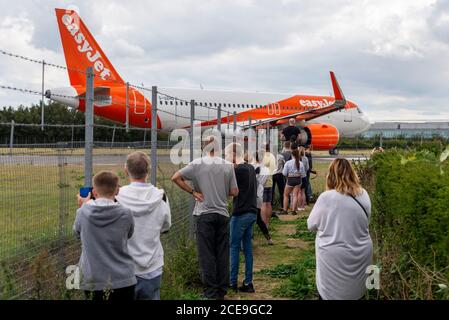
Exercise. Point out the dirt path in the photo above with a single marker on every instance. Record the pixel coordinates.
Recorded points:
(285, 250)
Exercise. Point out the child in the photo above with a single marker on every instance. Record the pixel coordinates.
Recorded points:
(104, 227)
(152, 217)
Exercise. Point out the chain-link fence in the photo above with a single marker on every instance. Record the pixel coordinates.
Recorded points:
(38, 186)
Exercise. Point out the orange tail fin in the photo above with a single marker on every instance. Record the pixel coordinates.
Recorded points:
(82, 51)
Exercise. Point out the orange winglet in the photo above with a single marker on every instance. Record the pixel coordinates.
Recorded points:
(337, 90)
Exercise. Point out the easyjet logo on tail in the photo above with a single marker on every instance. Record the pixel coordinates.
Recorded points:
(85, 47)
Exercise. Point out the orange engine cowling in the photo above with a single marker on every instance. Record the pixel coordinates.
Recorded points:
(321, 136)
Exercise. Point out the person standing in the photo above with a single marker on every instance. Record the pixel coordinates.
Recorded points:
(309, 191)
(244, 213)
(293, 170)
(343, 243)
(269, 166)
(291, 132)
(104, 227)
(278, 177)
(304, 182)
(213, 181)
(260, 183)
(152, 217)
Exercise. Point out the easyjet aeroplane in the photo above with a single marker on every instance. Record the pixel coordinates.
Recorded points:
(324, 119)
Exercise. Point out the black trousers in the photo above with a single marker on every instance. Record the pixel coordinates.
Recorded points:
(212, 236)
(279, 181)
(121, 294)
(262, 226)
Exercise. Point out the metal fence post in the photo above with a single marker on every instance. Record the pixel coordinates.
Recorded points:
(235, 120)
(62, 205)
(73, 134)
(153, 134)
(191, 200)
(127, 106)
(113, 137)
(43, 96)
(89, 128)
(219, 117)
(11, 138)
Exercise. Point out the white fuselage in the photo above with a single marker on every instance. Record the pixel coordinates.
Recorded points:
(175, 113)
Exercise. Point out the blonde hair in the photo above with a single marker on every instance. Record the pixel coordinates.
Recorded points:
(302, 151)
(138, 165)
(343, 178)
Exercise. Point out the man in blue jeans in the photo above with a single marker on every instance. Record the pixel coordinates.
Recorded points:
(244, 215)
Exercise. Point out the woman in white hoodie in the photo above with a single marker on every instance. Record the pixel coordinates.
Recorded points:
(152, 217)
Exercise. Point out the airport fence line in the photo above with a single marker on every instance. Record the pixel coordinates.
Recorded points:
(37, 211)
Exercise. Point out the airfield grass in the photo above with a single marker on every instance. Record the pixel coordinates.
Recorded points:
(38, 202)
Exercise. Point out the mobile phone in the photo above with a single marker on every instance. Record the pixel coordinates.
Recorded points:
(84, 192)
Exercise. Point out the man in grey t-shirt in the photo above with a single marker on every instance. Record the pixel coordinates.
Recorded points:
(213, 181)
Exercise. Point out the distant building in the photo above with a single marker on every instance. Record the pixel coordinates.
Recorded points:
(425, 129)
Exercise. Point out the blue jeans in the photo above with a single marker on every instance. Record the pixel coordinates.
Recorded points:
(242, 233)
(148, 289)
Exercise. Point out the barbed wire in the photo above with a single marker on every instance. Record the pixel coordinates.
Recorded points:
(40, 93)
(18, 56)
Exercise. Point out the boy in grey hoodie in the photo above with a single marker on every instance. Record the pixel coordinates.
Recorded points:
(104, 227)
(151, 213)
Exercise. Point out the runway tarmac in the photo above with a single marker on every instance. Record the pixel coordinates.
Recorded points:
(115, 159)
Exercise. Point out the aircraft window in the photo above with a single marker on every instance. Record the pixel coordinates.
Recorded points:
(176, 103)
(171, 103)
(201, 104)
(359, 111)
(233, 105)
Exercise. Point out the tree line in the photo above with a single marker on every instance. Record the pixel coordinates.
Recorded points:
(58, 114)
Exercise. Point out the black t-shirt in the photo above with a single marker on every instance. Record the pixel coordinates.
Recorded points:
(246, 201)
(309, 156)
(290, 131)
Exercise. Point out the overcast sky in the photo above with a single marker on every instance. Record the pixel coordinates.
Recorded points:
(391, 56)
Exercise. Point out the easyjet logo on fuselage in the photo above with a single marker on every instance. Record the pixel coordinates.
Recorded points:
(315, 103)
(85, 47)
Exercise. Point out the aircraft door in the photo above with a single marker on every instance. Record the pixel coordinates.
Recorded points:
(139, 100)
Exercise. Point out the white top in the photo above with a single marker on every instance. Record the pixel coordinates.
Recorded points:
(290, 168)
(152, 217)
(305, 162)
(343, 244)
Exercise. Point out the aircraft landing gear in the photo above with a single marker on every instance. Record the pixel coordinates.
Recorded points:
(334, 152)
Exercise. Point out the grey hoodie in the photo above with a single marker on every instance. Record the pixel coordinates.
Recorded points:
(104, 228)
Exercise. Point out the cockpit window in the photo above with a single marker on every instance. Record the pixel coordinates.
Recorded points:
(359, 111)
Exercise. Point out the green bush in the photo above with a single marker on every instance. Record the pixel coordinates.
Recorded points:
(410, 220)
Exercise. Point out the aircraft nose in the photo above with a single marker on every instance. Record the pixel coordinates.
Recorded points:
(366, 122)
